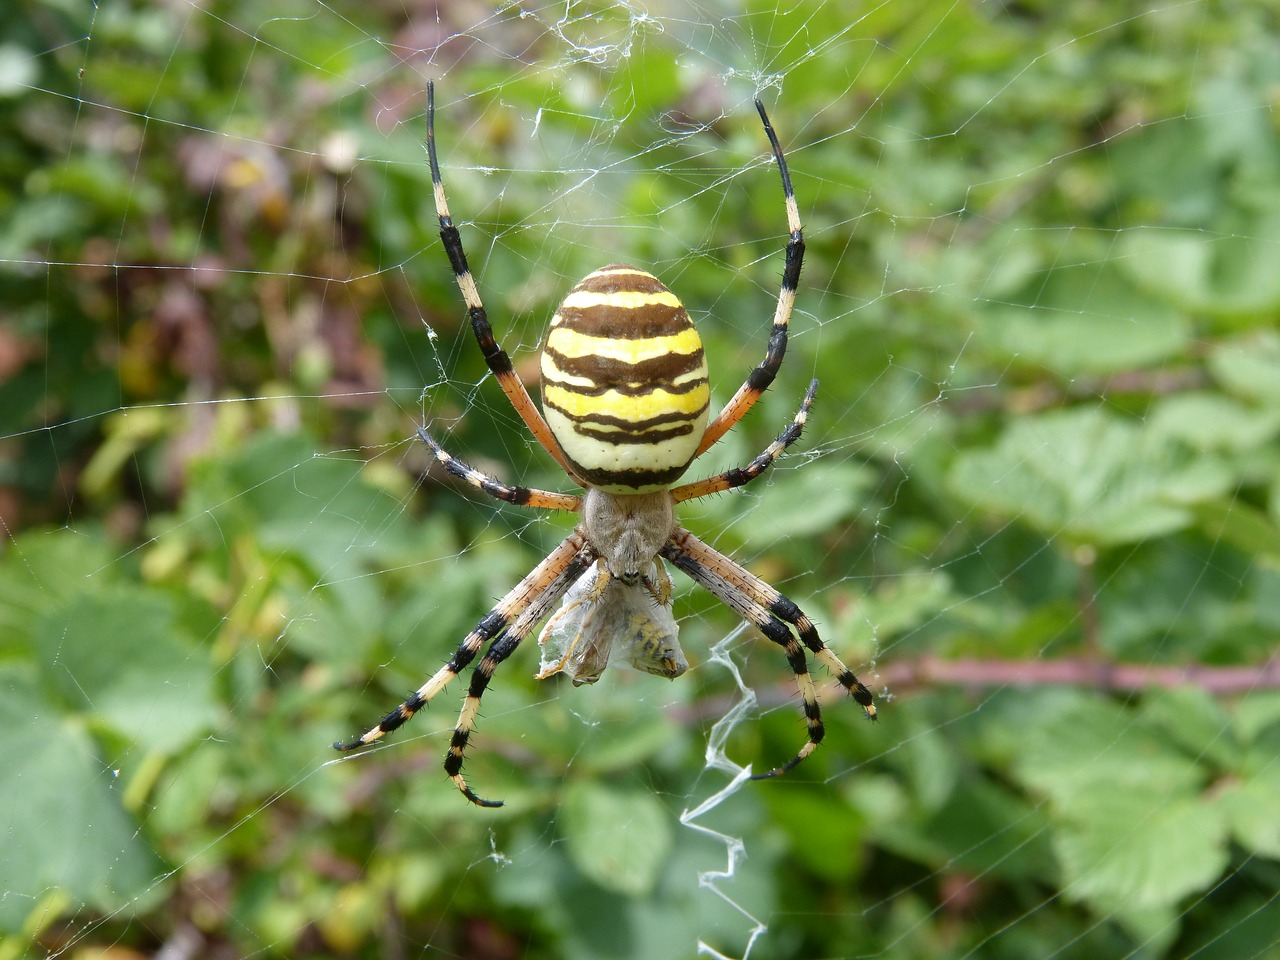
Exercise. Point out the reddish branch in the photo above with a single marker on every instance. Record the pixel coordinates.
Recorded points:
(927, 671)
(931, 671)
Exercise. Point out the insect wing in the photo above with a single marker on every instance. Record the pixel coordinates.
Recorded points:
(574, 640)
(625, 625)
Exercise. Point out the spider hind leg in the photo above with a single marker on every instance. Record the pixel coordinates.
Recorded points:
(505, 625)
(774, 615)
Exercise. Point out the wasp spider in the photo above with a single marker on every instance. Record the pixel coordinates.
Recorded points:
(625, 396)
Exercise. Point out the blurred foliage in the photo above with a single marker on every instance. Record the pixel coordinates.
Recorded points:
(1042, 300)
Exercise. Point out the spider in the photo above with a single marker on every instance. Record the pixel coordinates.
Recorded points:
(625, 397)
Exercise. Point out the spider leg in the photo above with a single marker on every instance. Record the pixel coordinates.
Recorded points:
(506, 624)
(739, 476)
(762, 376)
(520, 496)
(499, 650)
(760, 604)
(497, 359)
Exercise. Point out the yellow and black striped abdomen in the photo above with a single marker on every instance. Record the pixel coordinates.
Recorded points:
(624, 381)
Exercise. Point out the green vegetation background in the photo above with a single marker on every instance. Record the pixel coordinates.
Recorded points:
(1041, 296)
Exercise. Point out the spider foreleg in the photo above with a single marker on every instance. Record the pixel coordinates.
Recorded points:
(763, 375)
(495, 357)
(520, 496)
(740, 476)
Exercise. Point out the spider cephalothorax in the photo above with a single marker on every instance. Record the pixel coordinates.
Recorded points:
(625, 394)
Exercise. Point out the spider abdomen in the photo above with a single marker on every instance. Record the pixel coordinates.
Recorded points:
(624, 381)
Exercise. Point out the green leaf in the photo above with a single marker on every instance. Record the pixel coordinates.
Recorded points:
(1249, 804)
(813, 499)
(909, 600)
(1194, 720)
(1133, 830)
(39, 570)
(1083, 747)
(795, 812)
(1249, 366)
(1257, 713)
(1090, 475)
(1131, 850)
(1204, 272)
(636, 715)
(1089, 319)
(601, 924)
(119, 656)
(983, 828)
(617, 837)
(1234, 522)
(1213, 421)
(63, 822)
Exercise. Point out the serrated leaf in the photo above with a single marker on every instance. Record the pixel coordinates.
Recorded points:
(62, 820)
(1090, 475)
(119, 656)
(1090, 319)
(1249, 366)
(1133, 850)
(618, 838)
(1194, 720)
(1086, 747)
(1217, 275)
(1212, 421)
(1251, 807)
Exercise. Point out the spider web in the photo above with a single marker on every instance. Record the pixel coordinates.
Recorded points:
(1034, 508)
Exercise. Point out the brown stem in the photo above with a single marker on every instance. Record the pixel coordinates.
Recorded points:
(929, 671)
(935, 671)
